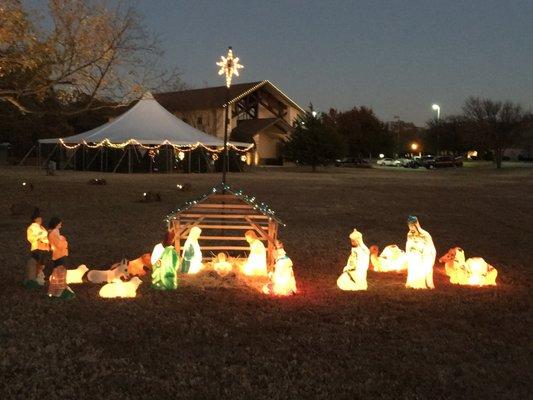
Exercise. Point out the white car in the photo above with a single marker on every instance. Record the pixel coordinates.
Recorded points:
(389, 162)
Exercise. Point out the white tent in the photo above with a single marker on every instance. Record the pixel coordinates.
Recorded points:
(147, 123)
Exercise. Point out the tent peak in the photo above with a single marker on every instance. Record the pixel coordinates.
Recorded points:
(147, 96)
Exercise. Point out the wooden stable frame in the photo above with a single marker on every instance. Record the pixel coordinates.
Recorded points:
(224, 218)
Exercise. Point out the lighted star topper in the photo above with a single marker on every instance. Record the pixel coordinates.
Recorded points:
(229, 66)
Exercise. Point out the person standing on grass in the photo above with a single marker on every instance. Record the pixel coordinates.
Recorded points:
(37, 235)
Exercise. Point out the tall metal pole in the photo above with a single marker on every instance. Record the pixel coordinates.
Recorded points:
(225, 163)
(229, 66)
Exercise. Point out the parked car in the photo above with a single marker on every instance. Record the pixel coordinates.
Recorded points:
(352, 162)
(389, 162)
(413, 163)
(443, 162)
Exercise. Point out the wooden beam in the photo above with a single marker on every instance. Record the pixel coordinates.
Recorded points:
(225, 216)
(243, 248)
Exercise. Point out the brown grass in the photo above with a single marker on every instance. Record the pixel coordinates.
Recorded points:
(208, 342)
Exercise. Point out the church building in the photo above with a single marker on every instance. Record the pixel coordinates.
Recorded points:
(259, 112)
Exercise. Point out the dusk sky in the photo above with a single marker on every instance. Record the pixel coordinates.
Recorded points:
(396, 56)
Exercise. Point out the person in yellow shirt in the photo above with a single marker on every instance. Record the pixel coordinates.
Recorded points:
(37, 236)
(58, 242)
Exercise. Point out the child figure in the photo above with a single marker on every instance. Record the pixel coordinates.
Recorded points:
(37, 235)
(191, 260)
(256, 264)
(282, 282)
(58, 242)
(420, 252)
(353, 275)
(165, 264)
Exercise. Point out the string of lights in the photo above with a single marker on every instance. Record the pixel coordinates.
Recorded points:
(183, 148)
(221, 188)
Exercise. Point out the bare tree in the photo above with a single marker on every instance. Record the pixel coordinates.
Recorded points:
(95, 54)
(499, 124)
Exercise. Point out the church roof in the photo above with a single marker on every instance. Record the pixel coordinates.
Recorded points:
(215, 97)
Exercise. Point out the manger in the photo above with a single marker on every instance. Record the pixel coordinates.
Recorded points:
(224, 215)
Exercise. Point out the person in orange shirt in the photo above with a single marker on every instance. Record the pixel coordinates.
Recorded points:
(37, 235)
(58, 242)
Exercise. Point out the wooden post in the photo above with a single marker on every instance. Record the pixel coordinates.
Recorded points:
(272, 238)
(177, 235)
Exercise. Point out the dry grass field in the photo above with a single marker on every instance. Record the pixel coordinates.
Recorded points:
(386, 343)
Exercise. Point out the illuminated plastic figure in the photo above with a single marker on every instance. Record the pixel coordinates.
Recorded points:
(421, 253)
(191, 261)
(282, 282)
(353, 275)
(256, 264)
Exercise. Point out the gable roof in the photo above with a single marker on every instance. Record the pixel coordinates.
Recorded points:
(248, 128)
(215, 97)
(261, 208)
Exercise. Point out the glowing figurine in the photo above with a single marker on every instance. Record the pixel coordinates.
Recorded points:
(353, 275)
(191, 260)
(165, 262)
(58, 284)
(282, 282)
(37, 235)
(256, 264)
(420, 252)
(474, 271)
(221, 264)
(120, 289)
(392, 258)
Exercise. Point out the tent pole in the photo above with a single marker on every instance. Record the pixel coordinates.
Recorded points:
(101, 159)
(83, 158)
(189, 162)
(39, 156)
(73, 156)
(27, 155)
(106, 159)
(129, 159)
(169, 159)
(92, 160)
(119, 161)
(49, 156)
(172, 159)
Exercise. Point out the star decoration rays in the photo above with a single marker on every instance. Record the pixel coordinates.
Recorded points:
(229, 66)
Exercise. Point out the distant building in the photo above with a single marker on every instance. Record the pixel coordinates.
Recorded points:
(260, 113)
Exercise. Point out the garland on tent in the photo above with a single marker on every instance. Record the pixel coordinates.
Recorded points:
(262, 207)
(191, 147)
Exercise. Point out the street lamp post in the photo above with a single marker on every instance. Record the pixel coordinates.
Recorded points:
(229, 66)
(436, 107)
(397, 118)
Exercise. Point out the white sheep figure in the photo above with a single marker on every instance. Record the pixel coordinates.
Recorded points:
(121, 289)
(76, 275)
(117, 271)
